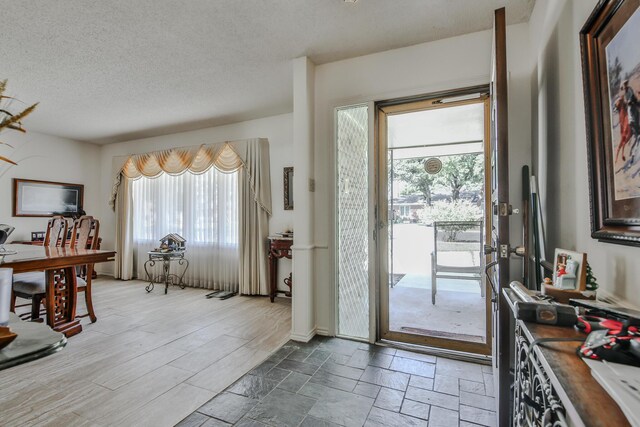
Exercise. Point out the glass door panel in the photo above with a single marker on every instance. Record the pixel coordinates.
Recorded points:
(434, 197)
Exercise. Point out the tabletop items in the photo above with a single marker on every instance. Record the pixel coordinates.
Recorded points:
(6, 277)
(607, 339)
(6, 336)
(32, 341)
(171, 242)
(5, 232)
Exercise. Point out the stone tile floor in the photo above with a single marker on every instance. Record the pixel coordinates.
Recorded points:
(332, 381)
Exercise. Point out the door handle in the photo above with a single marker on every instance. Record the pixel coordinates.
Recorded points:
(489, 266)
(504, 249)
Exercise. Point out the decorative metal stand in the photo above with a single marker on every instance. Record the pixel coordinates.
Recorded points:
(535, 401)
(166, 276)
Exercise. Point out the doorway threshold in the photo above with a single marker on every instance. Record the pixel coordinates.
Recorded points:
(436, 351)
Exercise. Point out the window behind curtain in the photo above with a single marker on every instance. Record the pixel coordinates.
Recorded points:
(204, 210)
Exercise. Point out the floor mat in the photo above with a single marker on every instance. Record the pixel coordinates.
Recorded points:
(442, 334)
(396, 278)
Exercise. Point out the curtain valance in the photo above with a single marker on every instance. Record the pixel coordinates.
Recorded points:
(253, 154)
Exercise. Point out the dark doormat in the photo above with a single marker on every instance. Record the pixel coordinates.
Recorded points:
(442, 334)
(221, 294)
(395, 278)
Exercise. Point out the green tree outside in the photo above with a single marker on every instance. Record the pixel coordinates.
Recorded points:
(464, 171)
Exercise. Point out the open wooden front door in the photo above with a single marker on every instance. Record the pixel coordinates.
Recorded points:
(498, 268)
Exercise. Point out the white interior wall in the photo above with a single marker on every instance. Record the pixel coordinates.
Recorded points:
(560, 146)
(429, 67)
(278, 129)
(47, 158)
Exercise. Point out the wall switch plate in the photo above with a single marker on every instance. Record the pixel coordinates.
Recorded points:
(312, 185)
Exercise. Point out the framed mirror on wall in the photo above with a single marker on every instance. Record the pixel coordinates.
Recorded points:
(33, 198)
(288, 188)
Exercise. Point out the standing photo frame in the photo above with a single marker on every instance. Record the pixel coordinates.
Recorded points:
(569, 267)
(611, 78)
(33, 198)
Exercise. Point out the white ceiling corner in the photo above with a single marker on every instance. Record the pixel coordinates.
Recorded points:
(116, 70)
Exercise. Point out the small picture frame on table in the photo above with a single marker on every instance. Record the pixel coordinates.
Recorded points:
(569, 270)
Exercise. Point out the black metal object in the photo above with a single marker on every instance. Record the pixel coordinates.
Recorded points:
(526, 214)
(166, 276)
(536, 237)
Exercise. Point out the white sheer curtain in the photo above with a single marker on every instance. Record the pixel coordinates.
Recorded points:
(203, 208)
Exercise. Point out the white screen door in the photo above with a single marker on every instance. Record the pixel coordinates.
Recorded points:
(352, 221)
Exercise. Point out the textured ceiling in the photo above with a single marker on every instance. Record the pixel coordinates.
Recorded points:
(114, 70)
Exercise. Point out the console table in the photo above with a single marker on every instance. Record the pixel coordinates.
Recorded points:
(279, 247)
(168, 278)
(552, 385)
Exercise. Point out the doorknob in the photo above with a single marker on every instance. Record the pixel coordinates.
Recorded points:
(505, 250)
(519, 251)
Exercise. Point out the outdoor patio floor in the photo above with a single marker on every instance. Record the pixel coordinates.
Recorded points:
(459, 311)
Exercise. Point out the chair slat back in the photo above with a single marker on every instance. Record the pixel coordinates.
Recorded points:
(56, 235)
(85, 233)
(458, 236)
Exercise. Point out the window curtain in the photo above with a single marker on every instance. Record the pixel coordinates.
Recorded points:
(123, 205)
(250, 158)
(202, 208)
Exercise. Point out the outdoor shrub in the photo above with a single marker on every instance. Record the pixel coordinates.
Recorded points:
(457, 210)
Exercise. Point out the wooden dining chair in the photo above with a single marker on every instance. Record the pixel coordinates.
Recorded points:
(85, 234)
(33, 285)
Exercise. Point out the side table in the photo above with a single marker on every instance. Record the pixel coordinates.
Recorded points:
(166, 277)
(279, 247)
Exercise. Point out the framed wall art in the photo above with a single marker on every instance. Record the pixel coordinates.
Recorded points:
(288, 188)
(611, 75)
(46, 198)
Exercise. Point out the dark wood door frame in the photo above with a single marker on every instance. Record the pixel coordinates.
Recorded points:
(501, 212)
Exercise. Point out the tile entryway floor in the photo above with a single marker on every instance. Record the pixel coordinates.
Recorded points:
(331, 381)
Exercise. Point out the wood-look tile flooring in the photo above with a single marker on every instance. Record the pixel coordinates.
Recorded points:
(150, 359)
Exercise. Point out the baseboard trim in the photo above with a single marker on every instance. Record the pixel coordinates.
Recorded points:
(323, 331)
(304, 338)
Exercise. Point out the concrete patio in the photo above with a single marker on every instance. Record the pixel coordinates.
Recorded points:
(459, 311)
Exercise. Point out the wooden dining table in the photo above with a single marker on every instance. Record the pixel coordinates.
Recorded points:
(59, 265)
